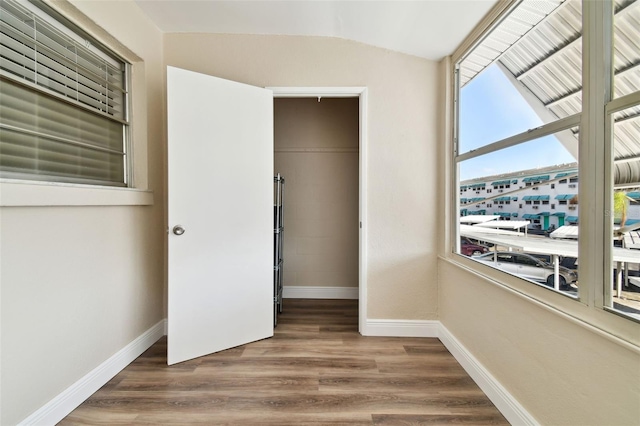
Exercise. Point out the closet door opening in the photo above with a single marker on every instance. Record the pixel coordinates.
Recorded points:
(316, 150)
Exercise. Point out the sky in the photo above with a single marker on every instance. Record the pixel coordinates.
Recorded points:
(492, 109)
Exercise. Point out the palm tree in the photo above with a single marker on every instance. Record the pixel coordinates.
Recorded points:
(620, 206)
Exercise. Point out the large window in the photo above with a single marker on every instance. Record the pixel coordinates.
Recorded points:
(622, 121)
(64, 104)
(527, 126)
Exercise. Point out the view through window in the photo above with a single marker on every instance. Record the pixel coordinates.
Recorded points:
(517, 143)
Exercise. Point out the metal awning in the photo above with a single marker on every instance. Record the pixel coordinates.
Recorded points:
(565, 196)
(502, 199)
(635, 195)
(535, 198)
(562, 214)
(536, 178)
(476, 186)
(571, 219)
(474, 200)
(501, 182)
(530, 216)
(560, 175)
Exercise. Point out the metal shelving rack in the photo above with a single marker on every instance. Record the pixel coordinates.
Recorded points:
(278, 230)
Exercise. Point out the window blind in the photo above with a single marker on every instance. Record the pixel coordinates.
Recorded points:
(63, 114)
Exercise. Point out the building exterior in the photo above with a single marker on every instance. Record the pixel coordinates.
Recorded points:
(547, 197)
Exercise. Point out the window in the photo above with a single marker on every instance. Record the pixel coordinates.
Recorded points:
(623, 119)
(64, 110)
(536, 61)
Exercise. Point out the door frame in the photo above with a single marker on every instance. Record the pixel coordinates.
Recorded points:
(347, 92)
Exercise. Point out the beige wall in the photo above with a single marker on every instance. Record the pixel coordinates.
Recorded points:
(316, 150)
(560, 372)
(401, 161)
(80, 283)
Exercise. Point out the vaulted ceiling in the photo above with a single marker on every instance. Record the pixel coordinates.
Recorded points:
(430, 29)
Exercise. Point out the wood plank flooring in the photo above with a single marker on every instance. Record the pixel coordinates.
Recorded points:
(316, 370)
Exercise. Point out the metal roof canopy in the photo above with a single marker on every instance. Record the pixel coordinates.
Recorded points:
(567, 231)
(539, 48)
(542, 245)
(474, 228)
(477, 218)
(504, 224)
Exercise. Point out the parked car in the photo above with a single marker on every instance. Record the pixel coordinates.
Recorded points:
(470, 248)
(566, 261)
(529, 267)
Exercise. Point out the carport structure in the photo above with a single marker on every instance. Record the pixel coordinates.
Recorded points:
(546, 246)
(539, 49)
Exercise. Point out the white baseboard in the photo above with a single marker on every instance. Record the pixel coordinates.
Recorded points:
(401, 328)
(63, 404)
(304, 292)
(501, 398)
(67, 401)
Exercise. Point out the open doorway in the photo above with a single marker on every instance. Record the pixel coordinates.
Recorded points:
(317, 150)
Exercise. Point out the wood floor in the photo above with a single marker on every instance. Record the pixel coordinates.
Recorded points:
(316, 370)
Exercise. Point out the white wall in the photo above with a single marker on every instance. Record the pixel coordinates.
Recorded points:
(316, 150)
(402, 172)
(79, 283)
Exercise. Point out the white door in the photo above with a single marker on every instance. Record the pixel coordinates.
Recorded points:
(220, 192)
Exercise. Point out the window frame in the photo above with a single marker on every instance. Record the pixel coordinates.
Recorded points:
(57, 25)
(21, 193)
(596, 228)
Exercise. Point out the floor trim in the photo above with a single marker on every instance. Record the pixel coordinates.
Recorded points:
(67, 401)
(63, 404)
(316, 292)
(401, 328)
(501, 398)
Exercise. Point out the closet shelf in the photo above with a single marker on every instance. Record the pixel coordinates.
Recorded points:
(278, 232)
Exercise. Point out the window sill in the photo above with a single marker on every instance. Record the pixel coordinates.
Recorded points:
(15, 193)
(602, 322)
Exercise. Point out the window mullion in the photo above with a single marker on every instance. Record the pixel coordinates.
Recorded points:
(529, 135)
(596, 179)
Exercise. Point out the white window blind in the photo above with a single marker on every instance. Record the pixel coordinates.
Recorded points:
(63, 102)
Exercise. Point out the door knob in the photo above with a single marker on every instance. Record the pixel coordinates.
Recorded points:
(178, 230)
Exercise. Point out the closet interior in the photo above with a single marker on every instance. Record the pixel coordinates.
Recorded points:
(316, 147)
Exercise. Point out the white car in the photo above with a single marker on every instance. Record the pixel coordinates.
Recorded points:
(527, 266)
